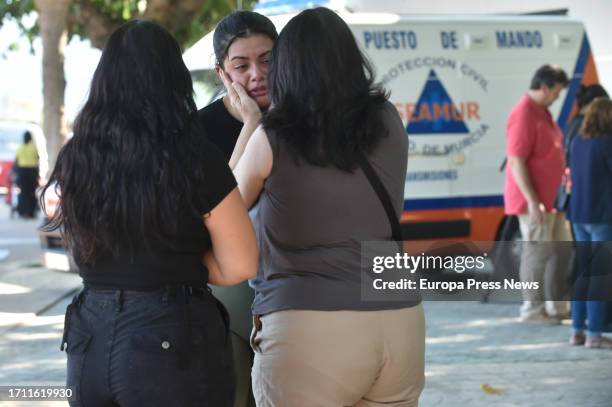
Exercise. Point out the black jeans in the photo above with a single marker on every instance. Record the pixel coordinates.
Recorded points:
(169, 347)
(27, 181)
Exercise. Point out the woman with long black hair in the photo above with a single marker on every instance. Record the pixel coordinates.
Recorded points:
(317, 341)
(151, 213)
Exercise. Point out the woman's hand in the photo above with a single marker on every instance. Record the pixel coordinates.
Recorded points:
(241, 102)
(245, 107)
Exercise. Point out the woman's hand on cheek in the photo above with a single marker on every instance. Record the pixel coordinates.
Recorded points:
(246, 105)
(240, 100)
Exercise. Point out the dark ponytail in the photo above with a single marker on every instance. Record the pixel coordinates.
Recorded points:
(586, 94)
(240, 24)
(135, 158)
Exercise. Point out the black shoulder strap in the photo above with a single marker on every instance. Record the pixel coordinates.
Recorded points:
(383, 195)
(571, 130)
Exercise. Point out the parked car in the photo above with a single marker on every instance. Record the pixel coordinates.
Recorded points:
(55, 256)
(9, 141)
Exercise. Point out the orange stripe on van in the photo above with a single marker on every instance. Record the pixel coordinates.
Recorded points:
(484, 223)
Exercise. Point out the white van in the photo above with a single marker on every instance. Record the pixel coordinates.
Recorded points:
(454, 81)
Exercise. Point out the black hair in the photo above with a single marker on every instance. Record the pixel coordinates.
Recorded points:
(586, 94)
(240, 24)
(325, 103)
(549, 76)
(134, 158)
(27, 137)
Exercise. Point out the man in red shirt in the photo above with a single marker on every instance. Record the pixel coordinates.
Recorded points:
(534, 146)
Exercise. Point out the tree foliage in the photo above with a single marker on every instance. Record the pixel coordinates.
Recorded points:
(187, 20)
(17, 10)
(95, 20)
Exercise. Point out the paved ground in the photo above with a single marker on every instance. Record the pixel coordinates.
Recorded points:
(29, 338)
(18, 238)
(32, 301)
(469, 345)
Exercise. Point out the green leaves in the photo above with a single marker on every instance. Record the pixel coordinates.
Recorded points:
(187, 25)
(22, 12)
(15, 9)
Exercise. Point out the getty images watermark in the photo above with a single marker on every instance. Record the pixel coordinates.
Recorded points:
(468, 270)
(403, 262)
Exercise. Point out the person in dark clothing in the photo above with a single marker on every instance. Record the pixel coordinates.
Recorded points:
(242, 42)
(26, 167)
(584, 96)
(590, 211)
(220, 127)
(151, 213)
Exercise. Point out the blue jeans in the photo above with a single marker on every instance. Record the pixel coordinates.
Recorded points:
(595, 312)
(169, 347)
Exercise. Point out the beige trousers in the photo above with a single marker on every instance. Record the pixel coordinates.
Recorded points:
(339, 358)
(547, 263)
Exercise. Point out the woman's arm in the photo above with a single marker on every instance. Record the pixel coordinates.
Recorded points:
(245, 134)
(254, 166)
(234, 255)
(245, 107)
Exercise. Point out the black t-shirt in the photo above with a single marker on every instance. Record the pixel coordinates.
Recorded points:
(220, 126)
(178, 261)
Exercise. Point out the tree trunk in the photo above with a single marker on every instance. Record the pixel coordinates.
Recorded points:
(52, 20)
(99, 26)
(175, 15)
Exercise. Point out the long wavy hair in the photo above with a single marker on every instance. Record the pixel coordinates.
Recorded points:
(598, 119)
(325, 104)
(134, 159)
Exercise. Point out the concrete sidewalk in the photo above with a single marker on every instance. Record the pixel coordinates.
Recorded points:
(28, 290)
(469, 346)
(32, 305)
